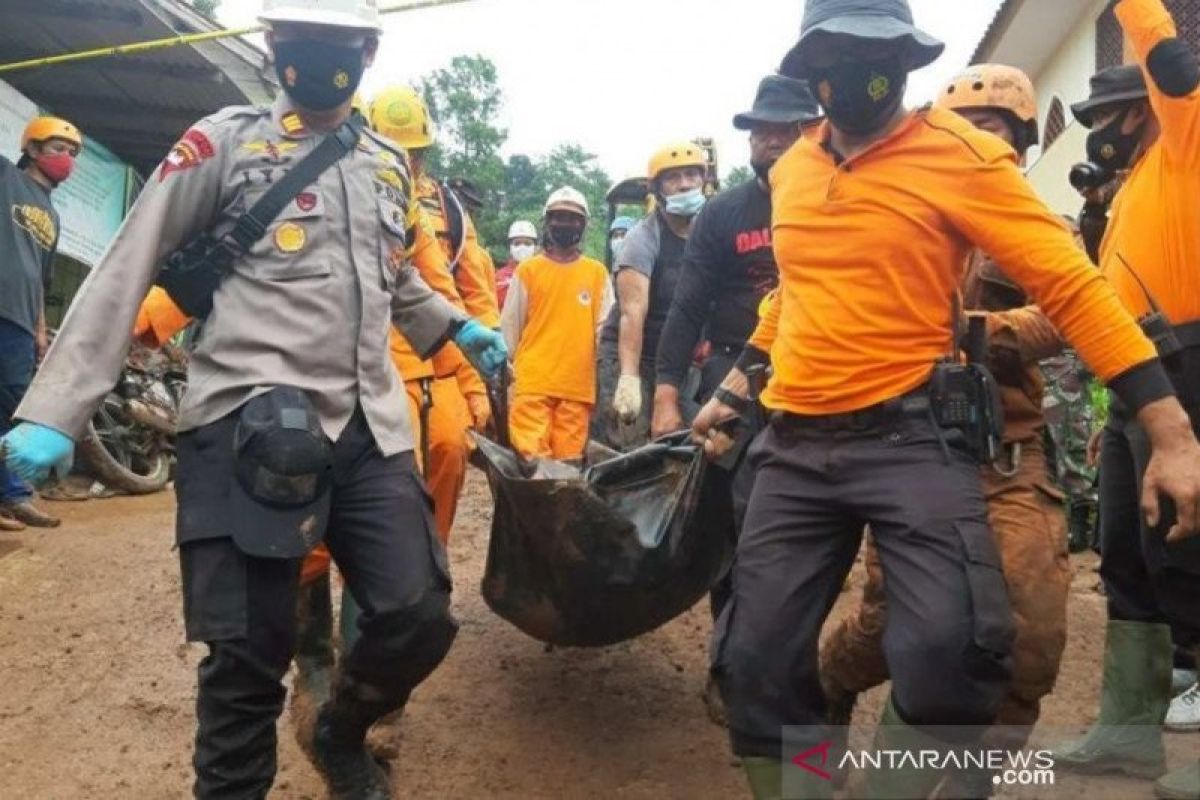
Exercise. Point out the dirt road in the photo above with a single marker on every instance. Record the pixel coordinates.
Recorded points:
(96, 685)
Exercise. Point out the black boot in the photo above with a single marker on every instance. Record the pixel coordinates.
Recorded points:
(1080, 526)
(339, 741)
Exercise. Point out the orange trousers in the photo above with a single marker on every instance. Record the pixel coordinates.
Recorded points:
(548, 427)
(1026, 515)
(449, 419)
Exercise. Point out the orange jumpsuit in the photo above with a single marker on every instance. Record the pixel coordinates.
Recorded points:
(552, 316)
(451, 393)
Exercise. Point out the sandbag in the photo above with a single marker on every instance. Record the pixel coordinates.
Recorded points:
(595, 557)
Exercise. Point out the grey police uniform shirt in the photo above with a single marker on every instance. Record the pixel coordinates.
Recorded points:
(310, 306)
(28, 239)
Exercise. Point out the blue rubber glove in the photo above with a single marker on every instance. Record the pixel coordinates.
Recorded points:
(33, 451)
(483, 347)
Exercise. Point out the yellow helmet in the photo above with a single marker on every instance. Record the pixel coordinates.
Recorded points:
(1000, 88)
(675, 155)
(42, 128)
(400, 114)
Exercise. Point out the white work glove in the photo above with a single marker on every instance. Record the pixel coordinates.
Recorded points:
(627, 401)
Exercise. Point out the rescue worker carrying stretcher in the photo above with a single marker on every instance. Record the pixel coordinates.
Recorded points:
(1024, 507)
(294, 426)
(556, 303)
(875, 420)
(1150, 254)
(645, 275)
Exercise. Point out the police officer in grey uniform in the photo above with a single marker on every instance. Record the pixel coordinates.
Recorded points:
(295, 422)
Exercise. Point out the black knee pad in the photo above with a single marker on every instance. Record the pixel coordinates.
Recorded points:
(405, 646)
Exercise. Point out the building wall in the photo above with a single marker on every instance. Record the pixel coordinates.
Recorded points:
(1065, 78)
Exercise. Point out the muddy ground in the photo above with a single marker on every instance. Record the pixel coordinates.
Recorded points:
(96, 684)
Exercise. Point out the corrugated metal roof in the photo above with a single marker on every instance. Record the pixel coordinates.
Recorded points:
(136, 105)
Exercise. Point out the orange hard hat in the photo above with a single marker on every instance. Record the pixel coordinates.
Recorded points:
(996, 87)
(676, 155)
(42, 128)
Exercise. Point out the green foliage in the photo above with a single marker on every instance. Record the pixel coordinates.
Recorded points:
(465, 100)
(737, 176)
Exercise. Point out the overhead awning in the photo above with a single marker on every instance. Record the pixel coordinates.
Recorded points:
(136, 105)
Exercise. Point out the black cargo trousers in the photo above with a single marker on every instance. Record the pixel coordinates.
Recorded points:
(949, 629)
(1145, 578)
(381, 535)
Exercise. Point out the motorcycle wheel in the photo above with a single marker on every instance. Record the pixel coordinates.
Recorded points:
(112, 455)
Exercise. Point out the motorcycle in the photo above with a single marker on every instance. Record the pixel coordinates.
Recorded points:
(129, 445)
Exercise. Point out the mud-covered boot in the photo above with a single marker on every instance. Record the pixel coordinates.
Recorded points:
(314, 658)
(339, 746)
(1127, 736)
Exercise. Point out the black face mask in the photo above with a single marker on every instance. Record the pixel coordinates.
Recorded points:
(564, 237)
(860, 97)
(1110, 148)
(318, 75)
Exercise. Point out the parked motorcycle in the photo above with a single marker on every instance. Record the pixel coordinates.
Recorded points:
(129, 445)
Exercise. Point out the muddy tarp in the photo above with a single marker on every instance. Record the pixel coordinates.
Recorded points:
(594, 558)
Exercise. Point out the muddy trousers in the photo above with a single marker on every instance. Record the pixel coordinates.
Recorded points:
(949, 629)
(1027, 521)
(1145, 579)
(381, 535)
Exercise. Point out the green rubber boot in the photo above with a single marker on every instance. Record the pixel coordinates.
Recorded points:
(1127, 736)
(894, 733)
(766, 779)
(1181, 784)
(348, 622)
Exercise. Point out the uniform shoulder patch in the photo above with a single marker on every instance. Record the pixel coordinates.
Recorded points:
(192, 150)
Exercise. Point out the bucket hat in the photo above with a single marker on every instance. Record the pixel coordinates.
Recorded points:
(886, 20)
(780, 100)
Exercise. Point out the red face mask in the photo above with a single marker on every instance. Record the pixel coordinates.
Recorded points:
(56, 166)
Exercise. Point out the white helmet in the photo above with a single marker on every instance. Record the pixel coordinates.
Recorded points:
(361, 14)
(522, 229)
(568, 199)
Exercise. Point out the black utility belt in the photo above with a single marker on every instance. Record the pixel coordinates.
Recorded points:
(913, 405)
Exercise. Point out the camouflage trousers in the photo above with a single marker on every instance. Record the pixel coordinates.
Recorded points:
(1071, 417)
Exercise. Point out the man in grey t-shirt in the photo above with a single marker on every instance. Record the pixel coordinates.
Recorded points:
(28, 241)
(646, 274)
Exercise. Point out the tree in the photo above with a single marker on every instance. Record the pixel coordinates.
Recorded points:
(465, 99)
(207, 7)
(737, 176)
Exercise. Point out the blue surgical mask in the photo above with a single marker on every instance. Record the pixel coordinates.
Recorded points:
(686, 204)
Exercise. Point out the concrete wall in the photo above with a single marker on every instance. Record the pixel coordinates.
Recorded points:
(1066, 77)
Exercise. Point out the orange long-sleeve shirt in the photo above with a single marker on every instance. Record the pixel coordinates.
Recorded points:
(872, 250)
(1155, 227)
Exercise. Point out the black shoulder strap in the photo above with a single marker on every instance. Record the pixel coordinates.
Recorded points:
(252, 225)
(456, 223)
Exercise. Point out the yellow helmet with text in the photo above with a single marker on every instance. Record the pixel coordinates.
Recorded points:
(996, 87)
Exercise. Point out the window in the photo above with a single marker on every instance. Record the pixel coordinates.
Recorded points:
(1056, 123)
(1187, 18)
(1110, 41)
